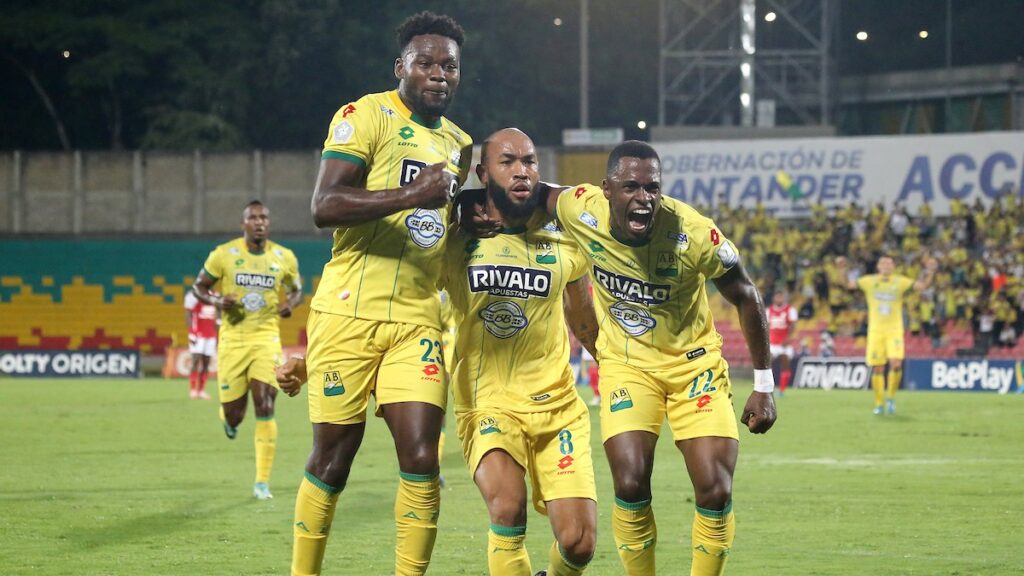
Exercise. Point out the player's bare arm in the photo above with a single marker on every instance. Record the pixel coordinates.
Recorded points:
(579, 314)
(735, 285)
(292, 301)
(201, 288)
(339, 201)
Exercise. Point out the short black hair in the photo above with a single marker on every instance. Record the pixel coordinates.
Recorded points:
(427, 22)
(630, 149)
(253, 202)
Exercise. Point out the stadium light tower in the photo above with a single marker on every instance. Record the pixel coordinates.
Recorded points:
(711, 60)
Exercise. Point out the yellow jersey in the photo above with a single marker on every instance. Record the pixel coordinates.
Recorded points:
(885, 301)
(650, 299)
(257, 279)
(511, 345)
(388, 269)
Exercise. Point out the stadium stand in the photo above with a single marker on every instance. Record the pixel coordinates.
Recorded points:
(974, 308)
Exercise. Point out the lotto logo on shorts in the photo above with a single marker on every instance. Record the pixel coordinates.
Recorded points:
(332, 384)
(620, 400)
(702, 403)
(488, 426)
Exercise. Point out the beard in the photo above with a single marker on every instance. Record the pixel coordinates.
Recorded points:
(508, 207)
(421, 107)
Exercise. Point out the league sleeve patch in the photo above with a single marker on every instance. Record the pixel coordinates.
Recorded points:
(342, 132)
(727, 255)
(588, 219)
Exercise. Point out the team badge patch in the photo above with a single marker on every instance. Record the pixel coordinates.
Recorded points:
(332, 384)
(503, 319)
(588, 219)
(425, 227)
(635, 320)
(545, 254)
(620, 400)
(666, 264)
(489, 425)
(342, 132)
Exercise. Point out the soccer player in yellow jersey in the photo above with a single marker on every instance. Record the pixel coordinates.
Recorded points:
(390, 164)
(516, 405)
(659, 352)
(251, 271)
(884, 293)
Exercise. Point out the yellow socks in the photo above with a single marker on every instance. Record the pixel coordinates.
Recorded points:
(635, 536)
(559, 565)
(266, 447)
(878, 385)
(713, 533)
(506, 551)
(417, 506)
(314, 511)
(895, 375)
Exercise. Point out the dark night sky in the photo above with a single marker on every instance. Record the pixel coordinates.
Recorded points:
(519, 68)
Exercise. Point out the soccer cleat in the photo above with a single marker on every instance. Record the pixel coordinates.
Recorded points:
(230, 431)
(440, 481)
(595, 401)
(890, 406)
(877, 411)
(261, 490)
(541, 573)
(204, 396)
(193, 394)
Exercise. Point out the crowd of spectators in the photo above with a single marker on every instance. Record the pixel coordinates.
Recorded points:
(980, 249)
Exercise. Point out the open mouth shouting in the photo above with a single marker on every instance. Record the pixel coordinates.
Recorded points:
(638, 220)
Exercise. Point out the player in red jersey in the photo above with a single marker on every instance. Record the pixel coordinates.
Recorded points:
(781, 324)
(202, 343)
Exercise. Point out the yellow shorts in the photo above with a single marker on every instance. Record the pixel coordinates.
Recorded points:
(348, 359)
(883, 347)
(696, 396)
(238, 365)
(552, 446)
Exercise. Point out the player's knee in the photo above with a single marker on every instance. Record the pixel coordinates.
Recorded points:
(420, 458)
(632, 488)
(333, 474)
(578, 543)
(507, 510)
(714, 496)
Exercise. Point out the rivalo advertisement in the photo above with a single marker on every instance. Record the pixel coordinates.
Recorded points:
(70, 363)
(788, 176)
(832, 373)
(965, 375)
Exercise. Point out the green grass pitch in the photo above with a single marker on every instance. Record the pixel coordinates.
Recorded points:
(131, 477)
